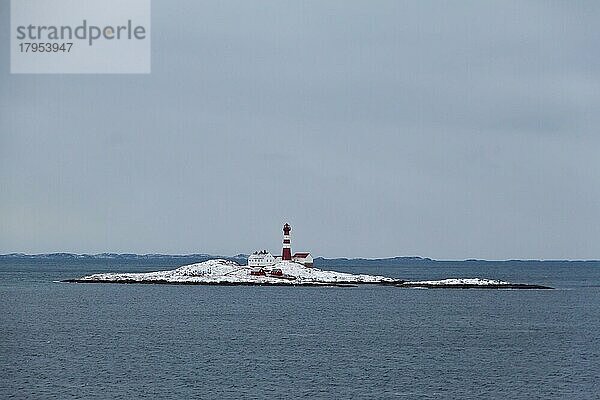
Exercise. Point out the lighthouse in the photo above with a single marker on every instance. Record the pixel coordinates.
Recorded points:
(286, 254)
(264, 259)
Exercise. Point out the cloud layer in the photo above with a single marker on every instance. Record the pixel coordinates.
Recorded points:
(375, 129)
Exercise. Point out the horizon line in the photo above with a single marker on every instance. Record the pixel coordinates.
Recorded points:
(21, 254)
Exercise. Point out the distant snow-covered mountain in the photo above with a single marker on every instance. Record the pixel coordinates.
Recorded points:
(242, 258)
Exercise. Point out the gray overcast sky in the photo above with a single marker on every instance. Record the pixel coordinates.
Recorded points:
(376, 128)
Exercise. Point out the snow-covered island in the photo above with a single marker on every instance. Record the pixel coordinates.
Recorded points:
(469, 283)
(287, 273)
(264, 268)
(223, 272)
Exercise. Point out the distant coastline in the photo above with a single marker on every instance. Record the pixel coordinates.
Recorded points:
(241, 258)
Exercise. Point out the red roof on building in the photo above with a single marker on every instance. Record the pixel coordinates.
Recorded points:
(301, 255)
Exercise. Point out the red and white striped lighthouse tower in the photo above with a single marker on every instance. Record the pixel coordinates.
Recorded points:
(287, 247)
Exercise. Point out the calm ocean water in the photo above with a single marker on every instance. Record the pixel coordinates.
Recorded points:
(172, 342)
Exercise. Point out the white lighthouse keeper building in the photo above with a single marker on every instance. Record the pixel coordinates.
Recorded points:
(261, 258)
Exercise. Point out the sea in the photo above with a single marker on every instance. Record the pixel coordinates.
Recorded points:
(129, 341)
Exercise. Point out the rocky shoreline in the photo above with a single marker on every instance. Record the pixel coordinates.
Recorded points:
(224, 283)
(398, 284)
(415, 285)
